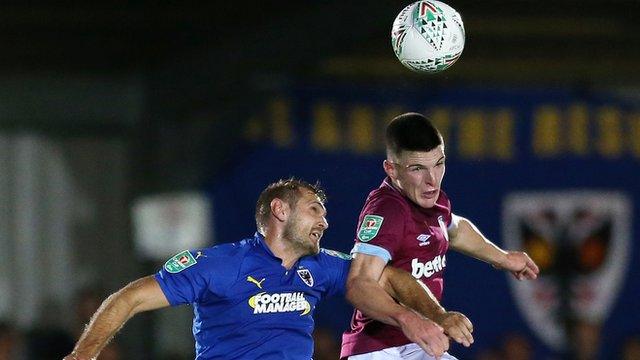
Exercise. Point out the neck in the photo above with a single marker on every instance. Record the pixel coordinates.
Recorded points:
(281, 248)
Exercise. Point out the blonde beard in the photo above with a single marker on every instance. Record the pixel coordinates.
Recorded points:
(292, 235)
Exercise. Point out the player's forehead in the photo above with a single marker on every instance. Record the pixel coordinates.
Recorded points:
(309, 197)
(421, 157)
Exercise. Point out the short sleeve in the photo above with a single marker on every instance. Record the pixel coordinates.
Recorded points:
(381, 224)
(336, 265)
(183, 278)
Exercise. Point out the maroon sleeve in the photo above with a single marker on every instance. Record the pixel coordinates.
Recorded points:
(382, 223)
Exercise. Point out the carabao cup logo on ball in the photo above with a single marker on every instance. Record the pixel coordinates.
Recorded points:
(428, 36)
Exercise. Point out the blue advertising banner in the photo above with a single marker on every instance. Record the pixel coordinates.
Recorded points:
(501, 144)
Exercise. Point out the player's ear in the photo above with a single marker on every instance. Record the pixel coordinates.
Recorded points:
(279, 209)
(389, 169)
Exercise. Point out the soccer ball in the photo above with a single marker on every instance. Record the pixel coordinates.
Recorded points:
(428, 36)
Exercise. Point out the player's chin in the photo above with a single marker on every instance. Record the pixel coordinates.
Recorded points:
(427, 203)
(313, 249)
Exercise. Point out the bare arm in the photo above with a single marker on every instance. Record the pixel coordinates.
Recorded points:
(410, 292)
(467, 239)
(417, 296)
(366, 294)
(141, 295)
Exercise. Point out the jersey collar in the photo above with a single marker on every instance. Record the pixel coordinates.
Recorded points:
(388, 183)
(261, 243)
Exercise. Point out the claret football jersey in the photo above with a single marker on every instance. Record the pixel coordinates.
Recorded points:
(246, 304)
(408, 237)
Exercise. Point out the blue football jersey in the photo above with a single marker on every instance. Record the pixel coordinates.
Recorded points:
(246, 304)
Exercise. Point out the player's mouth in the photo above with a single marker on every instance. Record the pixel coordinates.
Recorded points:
(316, 235)
(430, 194)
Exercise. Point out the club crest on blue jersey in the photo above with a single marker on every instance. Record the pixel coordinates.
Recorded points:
(305, 275)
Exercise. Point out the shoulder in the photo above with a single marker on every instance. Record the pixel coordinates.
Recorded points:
(226, 250)
(219, 258)
(333, 254)
(231, 254)
(232, 249)
(325, 253)
(329, 262)
(328, 259)
(385, 207)
(386, 198)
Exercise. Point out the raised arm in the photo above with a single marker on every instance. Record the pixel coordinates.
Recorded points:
(414, 294)
(467, 239)
(365, 293)
(141, 295)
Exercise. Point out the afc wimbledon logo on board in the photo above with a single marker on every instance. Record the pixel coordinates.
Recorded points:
(595, 227)
(264, 303)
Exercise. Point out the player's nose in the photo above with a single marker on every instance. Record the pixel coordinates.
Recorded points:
(429, 177)
(324, 224)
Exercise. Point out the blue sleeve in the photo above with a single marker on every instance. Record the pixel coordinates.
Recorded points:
(336, 265)
(185, 278)
(370, 249)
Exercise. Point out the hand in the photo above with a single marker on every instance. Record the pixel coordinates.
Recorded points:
(426, 333)
(520, 265)
(457, 326)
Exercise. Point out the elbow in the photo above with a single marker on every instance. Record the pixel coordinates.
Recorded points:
(357, 290)
(123, 301)
(351, 291)
(129, 298)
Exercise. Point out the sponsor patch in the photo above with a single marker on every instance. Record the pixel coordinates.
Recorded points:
(369, 228)
(337, 254)
(428, 268)
(265, 303)
(423, 239)
(251, 279)
(180, 262)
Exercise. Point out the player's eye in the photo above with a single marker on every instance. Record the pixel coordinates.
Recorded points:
(441, 163)
(416, 168)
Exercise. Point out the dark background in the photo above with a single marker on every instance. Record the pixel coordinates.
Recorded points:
(148, 98)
